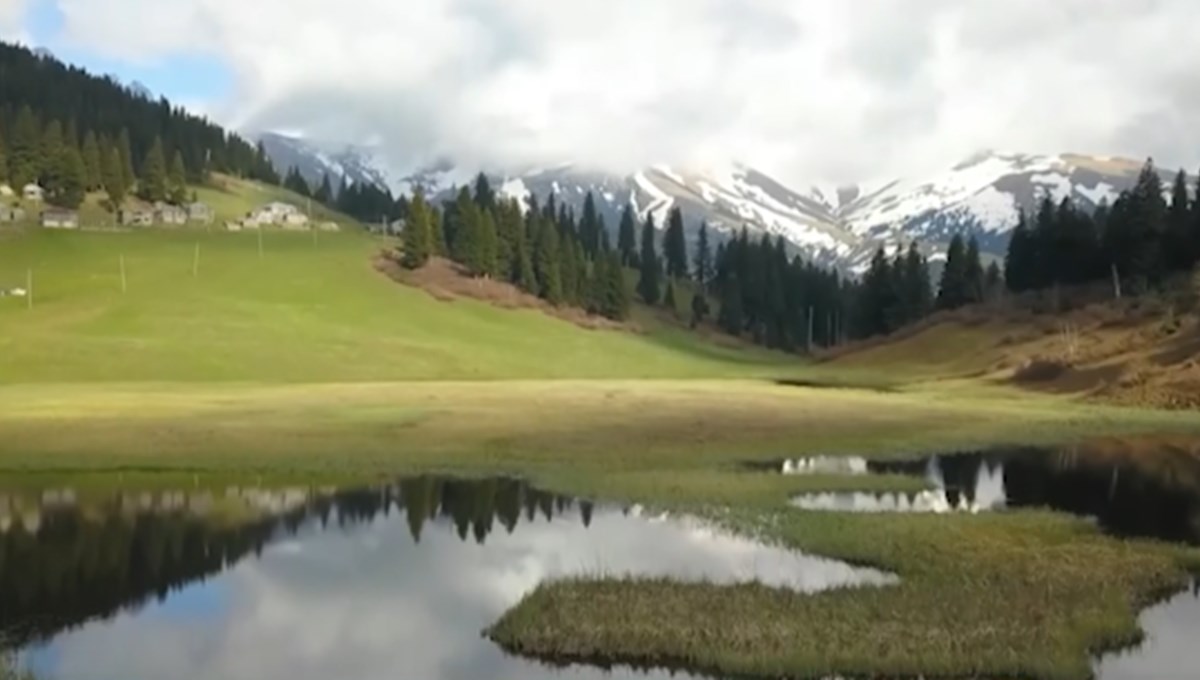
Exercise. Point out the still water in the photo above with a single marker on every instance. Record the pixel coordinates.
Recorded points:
(386, 582)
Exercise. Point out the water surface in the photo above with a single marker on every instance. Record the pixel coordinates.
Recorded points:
(395, 581)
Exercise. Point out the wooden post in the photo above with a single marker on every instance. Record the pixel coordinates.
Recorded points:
(196, 262)
(29, 288)
(810, 327)
(260, 245)
(124, 287)
(1116, 281)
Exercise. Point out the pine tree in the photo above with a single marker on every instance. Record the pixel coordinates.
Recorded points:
(126, 150)
(1021, 257)
(485, 197)
(569, 271)
(52, 158)
(153, 184)
(731, 318)
(669, 298)
(879, 302)
(24, 160)
(114, 178)
(3, 160)
(1147, 215)
(92, 162)
(974, 273)
(488, 244)
(1179, 217)
(627, 239)
(703, 263)
(952, 293)
(993, 282)
(590, 226)
(324, 194)
(614, 296)
(417, 233)
(700, 308)
(72, 180)
(1194, 241)
(675, 246)
(916, 288)
(546, 262)
(177, 189)
(648, 286)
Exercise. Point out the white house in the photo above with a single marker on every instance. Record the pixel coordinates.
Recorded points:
(33, 192)
(56, 218)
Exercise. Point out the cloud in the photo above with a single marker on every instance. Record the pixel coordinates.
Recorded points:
(12, 20)
(818, 90)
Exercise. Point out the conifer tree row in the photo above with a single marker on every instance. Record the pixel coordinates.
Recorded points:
(1136, 242)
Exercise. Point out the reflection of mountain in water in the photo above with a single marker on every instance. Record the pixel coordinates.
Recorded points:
(1156, 496)
(63, 564)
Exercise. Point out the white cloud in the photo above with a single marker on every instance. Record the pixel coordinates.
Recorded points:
(12, 20)
(817, 90)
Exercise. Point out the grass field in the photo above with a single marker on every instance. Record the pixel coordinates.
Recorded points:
(305, 361)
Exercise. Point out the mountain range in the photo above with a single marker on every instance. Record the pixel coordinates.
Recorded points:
(834, 225)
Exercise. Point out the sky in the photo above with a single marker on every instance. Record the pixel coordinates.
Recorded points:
(823, 91)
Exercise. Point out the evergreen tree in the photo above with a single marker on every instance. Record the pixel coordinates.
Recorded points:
(126, 150)
(675, 246)
(488, 244)
(974, 273)
(703, 262)
(1021, 258)
(324, 194)
(465, 233)
(92, 162)
(1179, 217)
(627, 238)
(953, 291)
(1147, 216)
(3, 160)
(648, 286)
(613, 297)
(546, 263)
(1194, 241)
(485, 197)
(569, 271)
(153, 184)
(437, 221)
(916, 290)
(418, 237)
(24, 161)
(72, 182)
(177, 181)
(508, 231)
(51, 157)
(590, 226)
(731, 317)
(583, 275)
(700, 308)
(296, 183)
(114, 178)
(669, 298)
(526, 280)
(879, 302)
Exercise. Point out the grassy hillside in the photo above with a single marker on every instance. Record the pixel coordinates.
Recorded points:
(307, 309)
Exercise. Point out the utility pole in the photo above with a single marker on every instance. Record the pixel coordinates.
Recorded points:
(196, 262)
(124, 287)
(260, 243)
(29, 287)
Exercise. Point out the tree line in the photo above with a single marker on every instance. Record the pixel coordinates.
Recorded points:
(73, 132)
(1136, 242)
(545, 250)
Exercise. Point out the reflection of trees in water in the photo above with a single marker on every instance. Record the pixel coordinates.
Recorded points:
(82, 564)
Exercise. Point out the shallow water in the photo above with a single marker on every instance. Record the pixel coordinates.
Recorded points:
(385, 582)
(1151, 496)
(1169, 650)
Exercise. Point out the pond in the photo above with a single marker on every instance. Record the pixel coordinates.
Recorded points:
(1151, 495)
(396, 580)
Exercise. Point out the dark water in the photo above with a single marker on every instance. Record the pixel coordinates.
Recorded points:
(1152, 496)
(387, 582)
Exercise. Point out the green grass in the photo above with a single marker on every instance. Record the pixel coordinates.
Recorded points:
(306, 362)
(304, 311)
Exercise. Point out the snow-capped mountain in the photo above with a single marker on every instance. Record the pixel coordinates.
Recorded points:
(315, 160)
(833, 225)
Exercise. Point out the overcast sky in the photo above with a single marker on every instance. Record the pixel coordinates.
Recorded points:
(812, 90)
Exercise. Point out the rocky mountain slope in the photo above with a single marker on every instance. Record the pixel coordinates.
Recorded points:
(834, 225)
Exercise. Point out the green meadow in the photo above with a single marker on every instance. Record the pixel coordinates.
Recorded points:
(211, 354)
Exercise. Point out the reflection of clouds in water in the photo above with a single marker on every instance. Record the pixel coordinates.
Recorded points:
(1168, 653)
(368, 603)
(987, 492)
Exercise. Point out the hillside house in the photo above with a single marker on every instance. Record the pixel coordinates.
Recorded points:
(329, 226)
(6, 191)
(200, 212)
(33, 192)
(136, 217)
(57, 218)
(10, 213)
(171, 215)
(233, 226)
(277, 213)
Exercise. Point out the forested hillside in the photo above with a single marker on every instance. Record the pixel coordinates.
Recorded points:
(74, 132)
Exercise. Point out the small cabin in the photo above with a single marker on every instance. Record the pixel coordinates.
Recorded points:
(200, 212)
(33, 192)
(10, 213)
(171, 214)
(136, 217)
(57, 218)
(6, 191)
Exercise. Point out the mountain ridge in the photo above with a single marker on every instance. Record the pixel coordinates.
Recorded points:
(834, 225)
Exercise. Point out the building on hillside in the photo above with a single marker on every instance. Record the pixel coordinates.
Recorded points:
(329, 226)
(171, 215)
(277, 213)
(58, 218)
(233, 225)
(200, 212)
(6, 191)
(10, 213)
(33, 192)
(136, 217)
